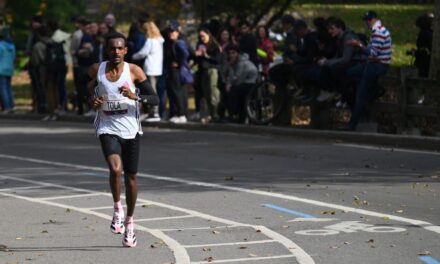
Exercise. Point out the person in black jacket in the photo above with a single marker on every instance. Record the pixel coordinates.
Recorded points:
(424, 44)
(175, 57)
(247, 42)
(207, 58)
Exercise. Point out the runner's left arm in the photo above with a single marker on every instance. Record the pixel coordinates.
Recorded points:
(146, 92)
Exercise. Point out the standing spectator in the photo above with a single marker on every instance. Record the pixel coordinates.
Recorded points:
(39, 61)
(85, 60)
(175, 61)
(99, 52)
(241, 76)
(110, 20)
(135, 41)
(247, 42)
(79, 23)
(265, 49)
(424, 44)
(207, 57)
(152, 53)
(61, 44)
(38, 98)
(224, 41)
(232, 26)
(379, 58)
(7, 57)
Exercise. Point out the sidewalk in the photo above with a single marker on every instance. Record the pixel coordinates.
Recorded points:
(378, 139)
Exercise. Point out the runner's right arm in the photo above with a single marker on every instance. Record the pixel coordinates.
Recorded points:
(96, 102)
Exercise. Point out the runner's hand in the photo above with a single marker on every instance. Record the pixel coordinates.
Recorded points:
(97, 102)
(125, 91)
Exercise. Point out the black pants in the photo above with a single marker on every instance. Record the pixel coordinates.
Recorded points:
(237, 101)
(176, 93)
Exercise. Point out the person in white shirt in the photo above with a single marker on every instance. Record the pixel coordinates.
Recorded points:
(118, 126)
(152, 51)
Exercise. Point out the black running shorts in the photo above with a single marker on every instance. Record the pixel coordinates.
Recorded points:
(127, 149)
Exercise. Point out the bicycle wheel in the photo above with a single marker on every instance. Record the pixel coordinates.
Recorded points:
(264, 103)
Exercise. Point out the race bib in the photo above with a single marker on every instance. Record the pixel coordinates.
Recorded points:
(115, 105)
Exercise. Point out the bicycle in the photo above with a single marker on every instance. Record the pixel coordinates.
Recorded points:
(265, 101)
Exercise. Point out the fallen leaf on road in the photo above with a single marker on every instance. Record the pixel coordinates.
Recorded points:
(215, 232)
(209, 259)
(328, 212)
(231, 178)
(44, 232)
(399, 211)
(242, 247)
(206, 249)
(68, 210)
(346, 243)
(258, 231)
(252, 255)
(18, 238)
(425, 253)
(371, 243)
(145, 206)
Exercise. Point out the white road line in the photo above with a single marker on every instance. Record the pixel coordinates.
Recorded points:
(164, 218)
(180, 254)
(242, 259)
(196, 228)
(423, 224)
(101, 208)
(387, 149)
(232, 243)
(20, 188)
(179, 251)
(300, 219)
(70, 196)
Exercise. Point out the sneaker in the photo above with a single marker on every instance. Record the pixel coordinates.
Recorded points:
(325, 96)
(117, 225)
(129, 238)
(182, 120)
(153, 118)
(174, 119)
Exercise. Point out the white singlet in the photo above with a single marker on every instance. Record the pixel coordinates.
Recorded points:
(118, 115)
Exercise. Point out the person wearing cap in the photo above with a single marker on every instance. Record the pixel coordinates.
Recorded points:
(366, 74)
(177, 73)
(241, 75)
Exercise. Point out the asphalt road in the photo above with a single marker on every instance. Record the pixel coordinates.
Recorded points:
(212, 197)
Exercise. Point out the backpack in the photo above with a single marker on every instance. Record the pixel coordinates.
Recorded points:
(55, 56)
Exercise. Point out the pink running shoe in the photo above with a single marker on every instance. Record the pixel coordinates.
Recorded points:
(129, 238)
(117, 225)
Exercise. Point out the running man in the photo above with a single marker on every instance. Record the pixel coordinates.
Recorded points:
(118, 126)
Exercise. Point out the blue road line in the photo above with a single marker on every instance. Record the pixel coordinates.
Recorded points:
(429, 260)
(285, 210)
(94, 174)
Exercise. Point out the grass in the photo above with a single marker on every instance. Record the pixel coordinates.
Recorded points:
(398, 18)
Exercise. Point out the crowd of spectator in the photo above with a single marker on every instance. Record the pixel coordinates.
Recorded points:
(222, 67)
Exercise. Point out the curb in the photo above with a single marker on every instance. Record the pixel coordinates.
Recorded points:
(386, 140)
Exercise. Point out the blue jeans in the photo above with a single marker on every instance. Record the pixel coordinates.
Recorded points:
(6, 96)
(366, 76)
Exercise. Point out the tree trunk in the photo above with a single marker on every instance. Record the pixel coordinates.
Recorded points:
(435, 57)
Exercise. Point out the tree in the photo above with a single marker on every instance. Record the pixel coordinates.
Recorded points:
(435, 57)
